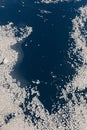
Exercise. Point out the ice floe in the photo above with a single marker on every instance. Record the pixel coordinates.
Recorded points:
(11, 95)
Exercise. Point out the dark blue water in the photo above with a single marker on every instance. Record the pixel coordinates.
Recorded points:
(46, 56)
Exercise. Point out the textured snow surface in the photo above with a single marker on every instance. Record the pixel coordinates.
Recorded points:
(73, 116)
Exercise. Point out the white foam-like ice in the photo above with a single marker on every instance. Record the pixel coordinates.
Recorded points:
(11, 95)
(56, 1)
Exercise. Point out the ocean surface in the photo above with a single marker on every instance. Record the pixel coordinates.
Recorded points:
(46, 65)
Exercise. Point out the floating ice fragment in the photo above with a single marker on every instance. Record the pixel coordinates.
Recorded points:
(36, 82)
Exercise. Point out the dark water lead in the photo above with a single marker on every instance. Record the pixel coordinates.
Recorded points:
(46, 56)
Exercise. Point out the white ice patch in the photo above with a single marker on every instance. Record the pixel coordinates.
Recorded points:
(79, 82)
(11, 95)
(56, 1)
(79, 35)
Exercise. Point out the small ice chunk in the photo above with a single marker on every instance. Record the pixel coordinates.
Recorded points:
(36, 82)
